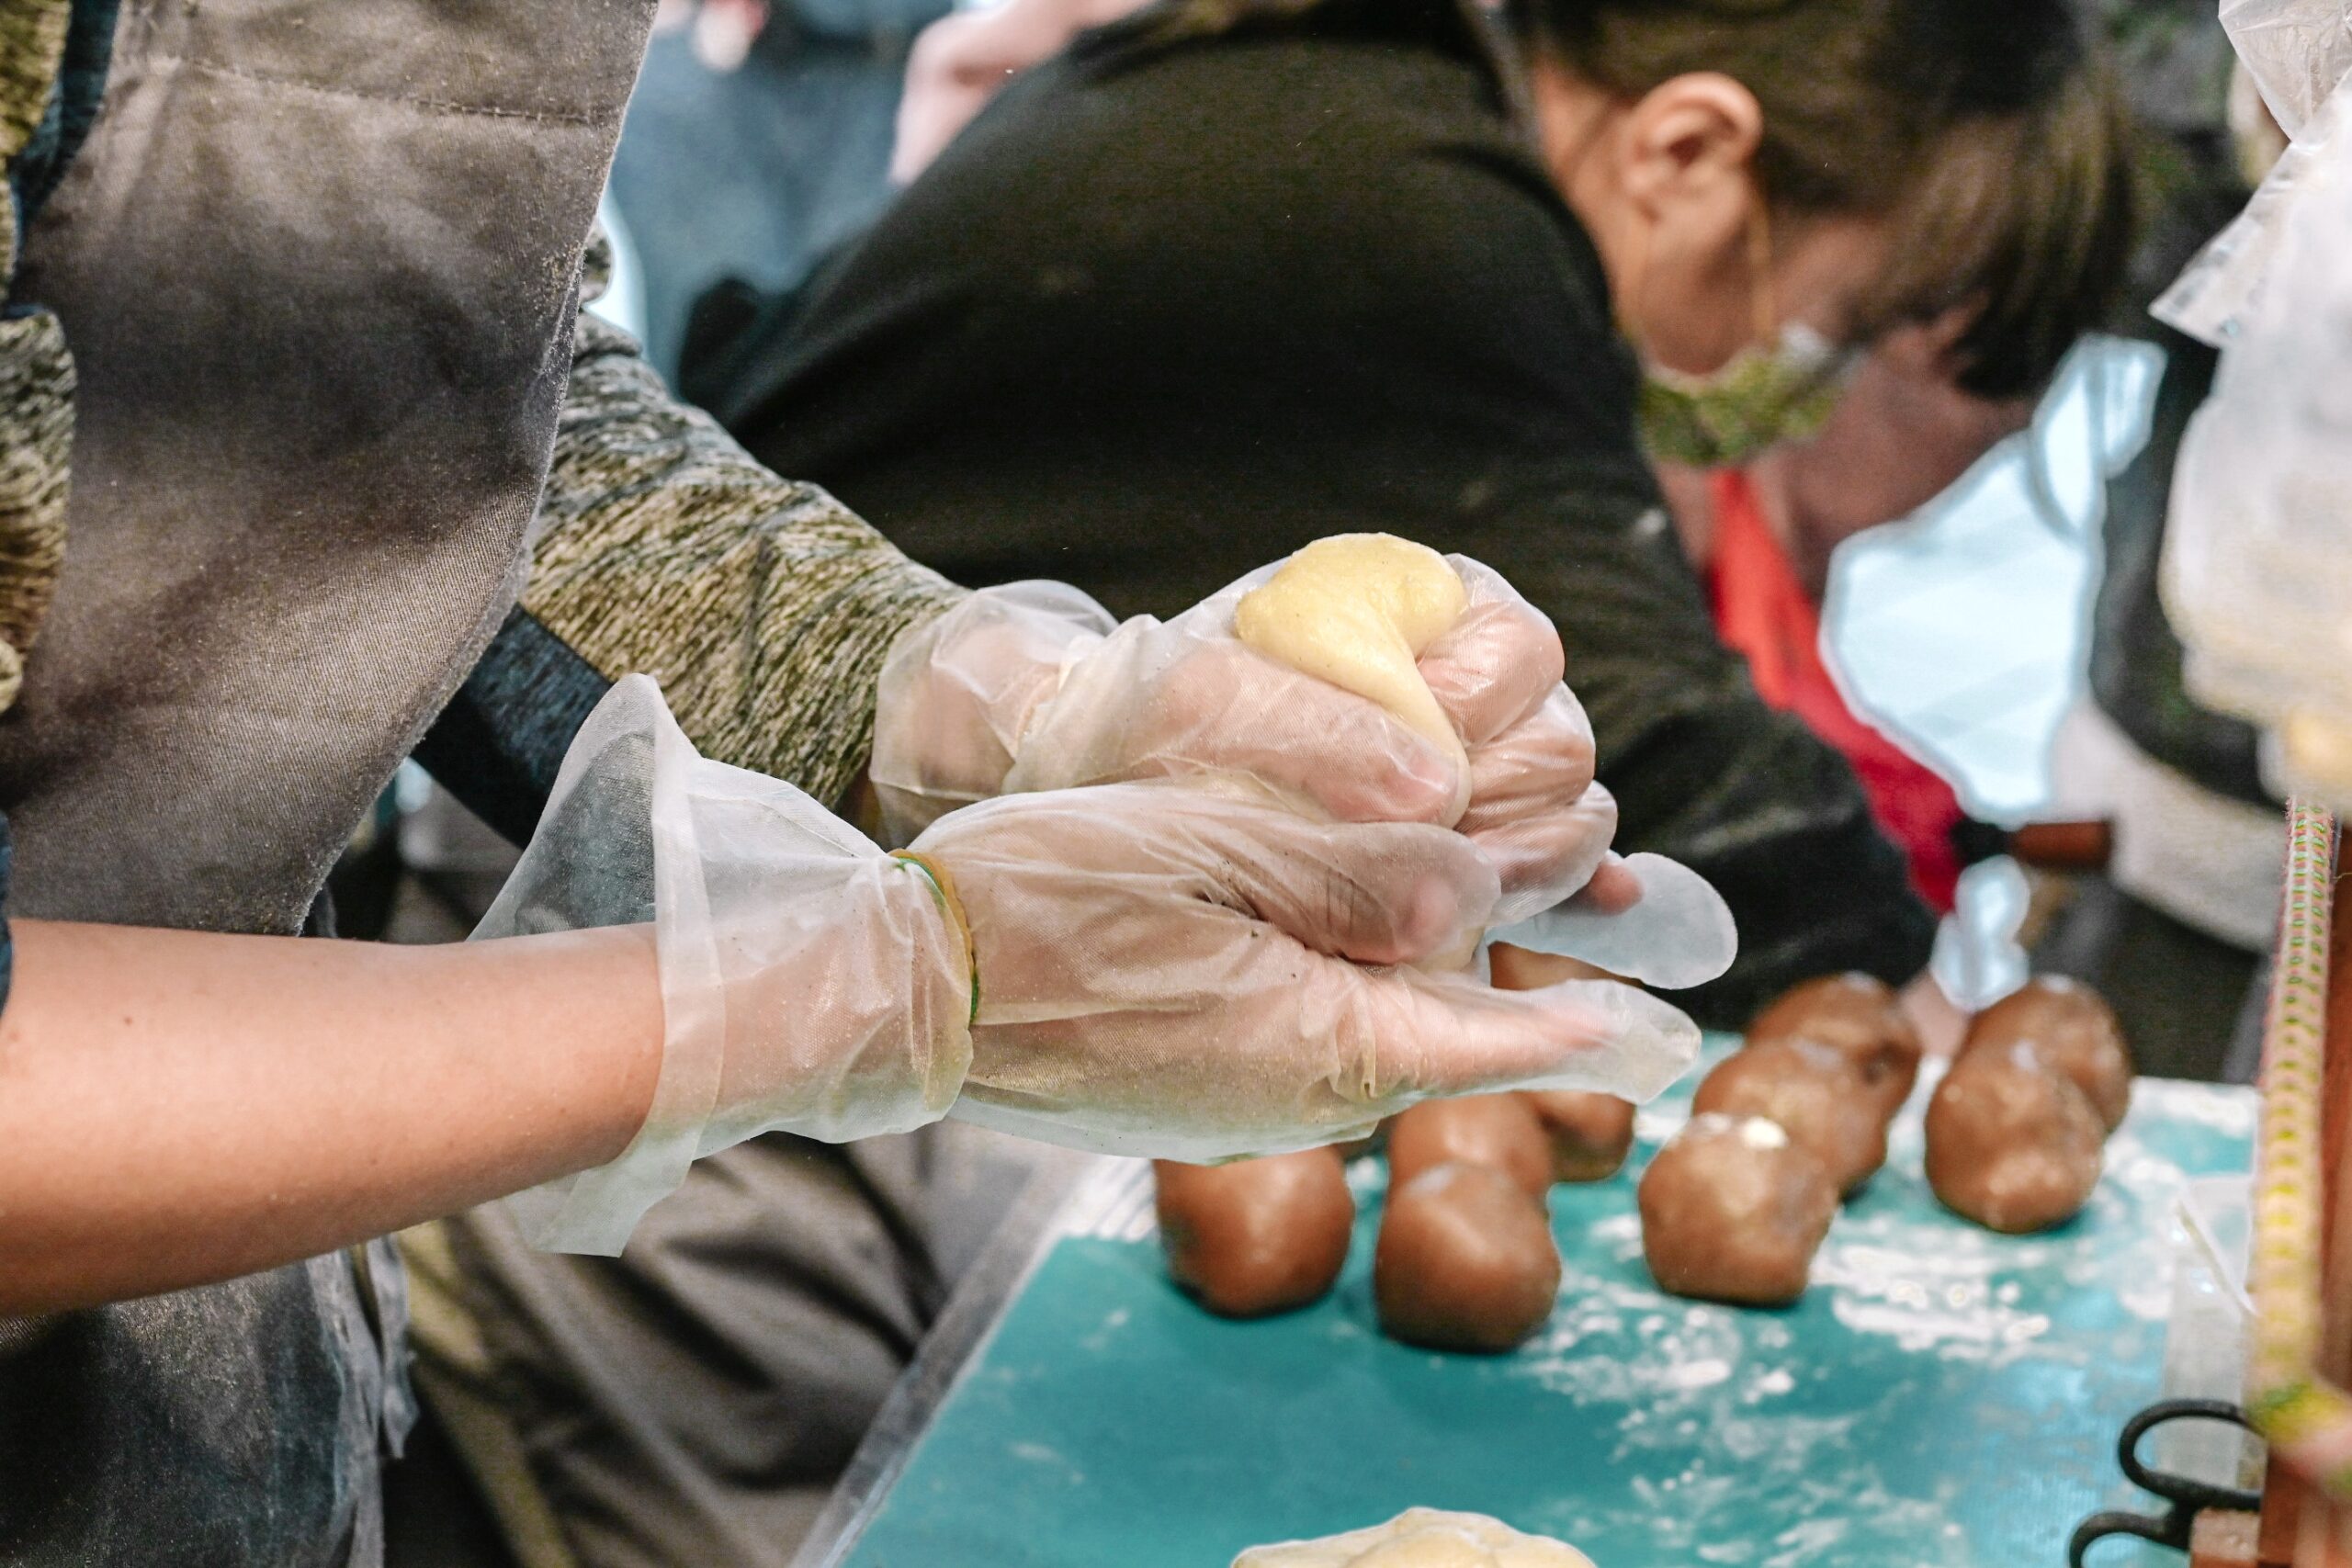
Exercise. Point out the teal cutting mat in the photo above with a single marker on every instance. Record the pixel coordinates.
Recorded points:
(1942, 1398)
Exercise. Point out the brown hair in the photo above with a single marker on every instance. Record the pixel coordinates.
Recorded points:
(1982, 129)
(2027, 218)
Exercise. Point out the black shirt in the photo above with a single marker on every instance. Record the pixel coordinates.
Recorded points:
(1168, 312)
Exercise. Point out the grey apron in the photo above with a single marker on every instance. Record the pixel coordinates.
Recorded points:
(316, 265)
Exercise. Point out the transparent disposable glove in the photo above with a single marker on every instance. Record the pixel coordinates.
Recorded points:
(809, 980)
(1033, 686)
(1644, 916)
(1165, 969)
(1159, 967)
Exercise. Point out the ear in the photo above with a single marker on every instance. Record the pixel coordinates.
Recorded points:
(1689, 143)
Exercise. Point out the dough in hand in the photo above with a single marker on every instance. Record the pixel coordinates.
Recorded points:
(1857, 1015)
(1499, 1131)
(1814, 1093)
(1358, 610)
(1256, 1237)
(2071, 1031)
(1733, 1209)
(1421, 1538)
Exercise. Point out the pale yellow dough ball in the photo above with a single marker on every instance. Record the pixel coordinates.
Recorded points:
(1421, 1538)
(1359, 610)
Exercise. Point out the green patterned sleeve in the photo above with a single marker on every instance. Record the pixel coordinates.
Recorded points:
(763, 607)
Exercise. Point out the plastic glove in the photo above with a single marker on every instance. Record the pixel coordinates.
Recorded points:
(809, 981)
(1658, 923)
(1541, 819)
(1160, 968)
(1165, 970)
(1032, 686)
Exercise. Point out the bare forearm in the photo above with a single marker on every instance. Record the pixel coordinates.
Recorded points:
(178, 1106)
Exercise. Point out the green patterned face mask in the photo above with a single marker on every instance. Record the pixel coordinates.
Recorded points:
(1761, 398)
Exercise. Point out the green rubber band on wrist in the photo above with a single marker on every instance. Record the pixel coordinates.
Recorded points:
(943, 890)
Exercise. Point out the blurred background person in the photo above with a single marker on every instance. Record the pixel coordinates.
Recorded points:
(1222, 272)
(758, 137)
(2173, 928)
(1763, 537)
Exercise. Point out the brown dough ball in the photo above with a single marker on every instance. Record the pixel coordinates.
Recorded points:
(1465, 1261)
(1857, 1015)
(1590, 1133)
(2072, 1031)
(1259, 1235)
(1816, 1094)
(1733, 1209)
(2010, 1143)
(1499, 1131)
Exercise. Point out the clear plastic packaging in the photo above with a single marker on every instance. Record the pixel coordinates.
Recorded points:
(2258, 568)
(2297, 50)
(2208, 1334)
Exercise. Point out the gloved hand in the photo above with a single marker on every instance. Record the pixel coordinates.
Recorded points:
(809, 981)
(1534, 806)
(1179, 972)
(1160, 968)
(1642, 916)
(1033, 686)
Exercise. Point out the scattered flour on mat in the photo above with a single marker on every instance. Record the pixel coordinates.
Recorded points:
(1708, 1405)
(1945, 1302)
(1113, 1321)
(1612, 1343)
(2233, 1114)
(1688, 1509)
(1047, 1458)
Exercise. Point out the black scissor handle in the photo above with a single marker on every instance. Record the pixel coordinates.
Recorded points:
(2185, 1498)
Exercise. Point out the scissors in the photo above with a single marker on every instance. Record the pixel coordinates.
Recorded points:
(2186, 1499)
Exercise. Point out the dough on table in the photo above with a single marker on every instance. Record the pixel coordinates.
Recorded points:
(1733, 1209)
(1592, 1133)
(1358, 610)
(2012, 1143)
(1502, 1132)
(1465, 1261)
(1421, 1538)
(2071, 1031)
(1256, 1237)
(1857, 1015)
(1814, 1093)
